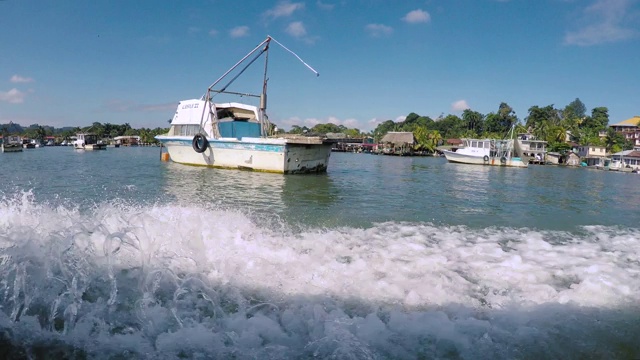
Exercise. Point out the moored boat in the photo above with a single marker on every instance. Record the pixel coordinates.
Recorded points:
(238, 135)
(11, 143)
(28, 144)
(486, 152)
(85, 141)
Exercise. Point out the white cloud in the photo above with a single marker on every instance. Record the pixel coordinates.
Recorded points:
(193, 30)
(284, 8)
(296, 29)
(460, 105)
(13, 96)
(378, 30)
(20, 79)
(417, 16)
(324, 6)
(213, 32)
(239, 31)
(602, 22)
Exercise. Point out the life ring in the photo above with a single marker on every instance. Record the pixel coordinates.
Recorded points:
(503, 160)
(486, 158)
(200, 143)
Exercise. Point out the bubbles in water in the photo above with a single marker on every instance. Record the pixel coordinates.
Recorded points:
(169, 281)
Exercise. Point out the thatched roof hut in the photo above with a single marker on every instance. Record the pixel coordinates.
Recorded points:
(399, 138)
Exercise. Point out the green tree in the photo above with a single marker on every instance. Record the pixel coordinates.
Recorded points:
(450, 126)
(382, 129)
(600, 117)
(615, 141)
(295, 129)
(426, 140)
(500, 123)
(474, 120)
(573, 114)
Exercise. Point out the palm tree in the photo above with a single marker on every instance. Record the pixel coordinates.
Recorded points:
(557, 134)
(435, 138)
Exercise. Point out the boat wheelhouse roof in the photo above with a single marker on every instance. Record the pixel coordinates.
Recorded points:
(190, 112)
(236, 111)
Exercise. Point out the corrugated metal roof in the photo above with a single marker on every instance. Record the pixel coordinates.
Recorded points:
(629, 122)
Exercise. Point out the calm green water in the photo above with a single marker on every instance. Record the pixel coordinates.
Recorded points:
(358, 190)
(116, 255)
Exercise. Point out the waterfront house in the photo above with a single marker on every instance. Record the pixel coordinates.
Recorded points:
(592, 151)
(572, 159)
(398, 143)
(554, 158)
(593, 155)
(531, 147)
(127, 140)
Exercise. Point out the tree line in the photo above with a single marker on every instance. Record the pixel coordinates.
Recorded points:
(103, 131)
(546, 123)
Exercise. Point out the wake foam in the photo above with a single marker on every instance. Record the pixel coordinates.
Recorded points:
(171, 282)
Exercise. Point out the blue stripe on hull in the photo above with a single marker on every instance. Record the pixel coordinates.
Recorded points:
(221, 144)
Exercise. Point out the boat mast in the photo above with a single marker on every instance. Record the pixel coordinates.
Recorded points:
(264, 120)
(266, 41)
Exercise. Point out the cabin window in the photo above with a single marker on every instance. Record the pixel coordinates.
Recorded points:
(186, 130)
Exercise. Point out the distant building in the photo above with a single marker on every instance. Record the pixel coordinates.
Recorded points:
(587, 151)
(398, 143)
(572, 159)
(627, 159)
(127, 140)
(630, 128)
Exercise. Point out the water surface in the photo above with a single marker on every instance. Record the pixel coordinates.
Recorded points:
(115, 254)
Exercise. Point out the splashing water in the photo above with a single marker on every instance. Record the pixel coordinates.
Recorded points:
(166, 282)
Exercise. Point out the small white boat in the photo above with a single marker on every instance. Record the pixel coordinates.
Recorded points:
(239, 136)
(11, 143)
(486, 152)
(28, 143)
(88, 142)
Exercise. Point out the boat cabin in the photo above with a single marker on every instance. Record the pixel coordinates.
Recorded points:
(12, 139)
(226, 120)
(87, 139)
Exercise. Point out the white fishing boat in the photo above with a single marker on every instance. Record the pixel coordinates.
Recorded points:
(486, 152)
(238, 135)
(11, 143)
(88, 142)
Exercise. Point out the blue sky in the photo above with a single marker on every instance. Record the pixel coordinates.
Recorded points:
(70, 63)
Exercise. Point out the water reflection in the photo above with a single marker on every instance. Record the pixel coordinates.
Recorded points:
(224, 188)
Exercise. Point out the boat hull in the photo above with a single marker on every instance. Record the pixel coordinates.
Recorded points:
(454, 157)
(255, 154)
(90, 147)
(12, 148)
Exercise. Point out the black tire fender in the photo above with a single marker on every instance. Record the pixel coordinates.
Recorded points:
(200, 143)
(503, 160)
(486, 158)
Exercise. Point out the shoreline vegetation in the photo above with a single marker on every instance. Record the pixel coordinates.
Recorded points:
(558, 127)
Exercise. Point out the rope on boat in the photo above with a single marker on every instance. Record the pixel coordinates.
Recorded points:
(296, 55)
